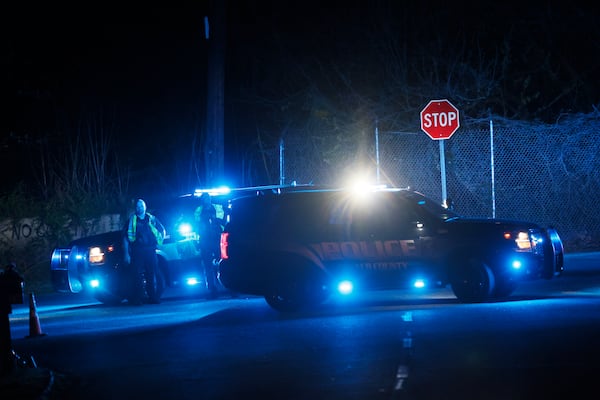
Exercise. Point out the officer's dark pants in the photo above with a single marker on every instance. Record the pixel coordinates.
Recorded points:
(144, 264)
(210, 271)
(6, 362)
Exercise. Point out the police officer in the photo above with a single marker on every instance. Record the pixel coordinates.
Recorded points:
(142, 234)
(209, 231)
(11, 292)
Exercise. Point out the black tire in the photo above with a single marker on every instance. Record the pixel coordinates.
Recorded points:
(300, 288)
(108, 298)
(298, 296)
(473, 281)
(284, 303)
(504, 288)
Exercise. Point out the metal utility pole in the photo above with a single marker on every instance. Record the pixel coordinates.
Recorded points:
(492, 169)
(377, 148)
(281, 162)
(215, 32)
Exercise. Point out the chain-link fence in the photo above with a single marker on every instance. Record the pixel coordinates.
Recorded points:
(540, 173)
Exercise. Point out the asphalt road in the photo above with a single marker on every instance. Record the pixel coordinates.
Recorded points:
(543, 342)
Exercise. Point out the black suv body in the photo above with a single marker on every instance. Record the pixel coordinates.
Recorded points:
(298, 247)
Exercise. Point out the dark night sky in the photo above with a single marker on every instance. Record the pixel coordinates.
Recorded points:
(141, 62)
(143, 69)
(147, 65)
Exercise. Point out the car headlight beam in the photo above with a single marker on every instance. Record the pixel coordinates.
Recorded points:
(192, 281)
(345, 287)
(419, 283)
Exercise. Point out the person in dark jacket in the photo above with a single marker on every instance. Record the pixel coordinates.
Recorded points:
(209, 232)
(141, 236)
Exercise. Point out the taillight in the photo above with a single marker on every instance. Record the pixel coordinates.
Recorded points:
(224, 244)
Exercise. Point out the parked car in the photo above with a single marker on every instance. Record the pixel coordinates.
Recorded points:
(298, 247)
(95, 263)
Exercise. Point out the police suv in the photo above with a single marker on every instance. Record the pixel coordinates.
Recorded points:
(95, 263)
(297, 247)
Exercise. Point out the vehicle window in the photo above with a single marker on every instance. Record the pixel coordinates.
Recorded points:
(431, 207)
(304, 214)
(384, 216)
(252, 214)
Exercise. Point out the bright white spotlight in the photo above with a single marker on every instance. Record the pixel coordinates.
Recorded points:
(345, 287)
(516, 264)
(192, 281)
(419, 283)
(95, 283)
(221, 190)
(185, 229)
(213, 191)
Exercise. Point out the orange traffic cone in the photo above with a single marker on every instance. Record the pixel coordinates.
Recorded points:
(34, 321)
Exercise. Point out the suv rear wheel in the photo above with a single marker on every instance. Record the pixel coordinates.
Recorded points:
(284, 303)
(296, 296)
(300, 287)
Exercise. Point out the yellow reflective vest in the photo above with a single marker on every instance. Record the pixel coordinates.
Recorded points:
(132, 227)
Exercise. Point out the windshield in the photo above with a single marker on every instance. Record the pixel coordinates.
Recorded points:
(432, 207)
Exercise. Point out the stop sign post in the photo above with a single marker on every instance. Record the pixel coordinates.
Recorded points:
(439, 120)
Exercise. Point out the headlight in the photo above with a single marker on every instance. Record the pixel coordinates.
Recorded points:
(192, 281)
(96, 255)
(419, 283)
(185, 229)
(94, 283)
(345, 287)
(522, 241)
(526, 241)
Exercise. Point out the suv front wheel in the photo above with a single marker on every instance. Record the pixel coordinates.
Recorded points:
(472, 281)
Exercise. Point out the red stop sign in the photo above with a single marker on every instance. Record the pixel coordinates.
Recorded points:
(439, 119)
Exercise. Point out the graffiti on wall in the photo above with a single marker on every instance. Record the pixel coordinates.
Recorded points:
(17, 234)
(25, 229)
